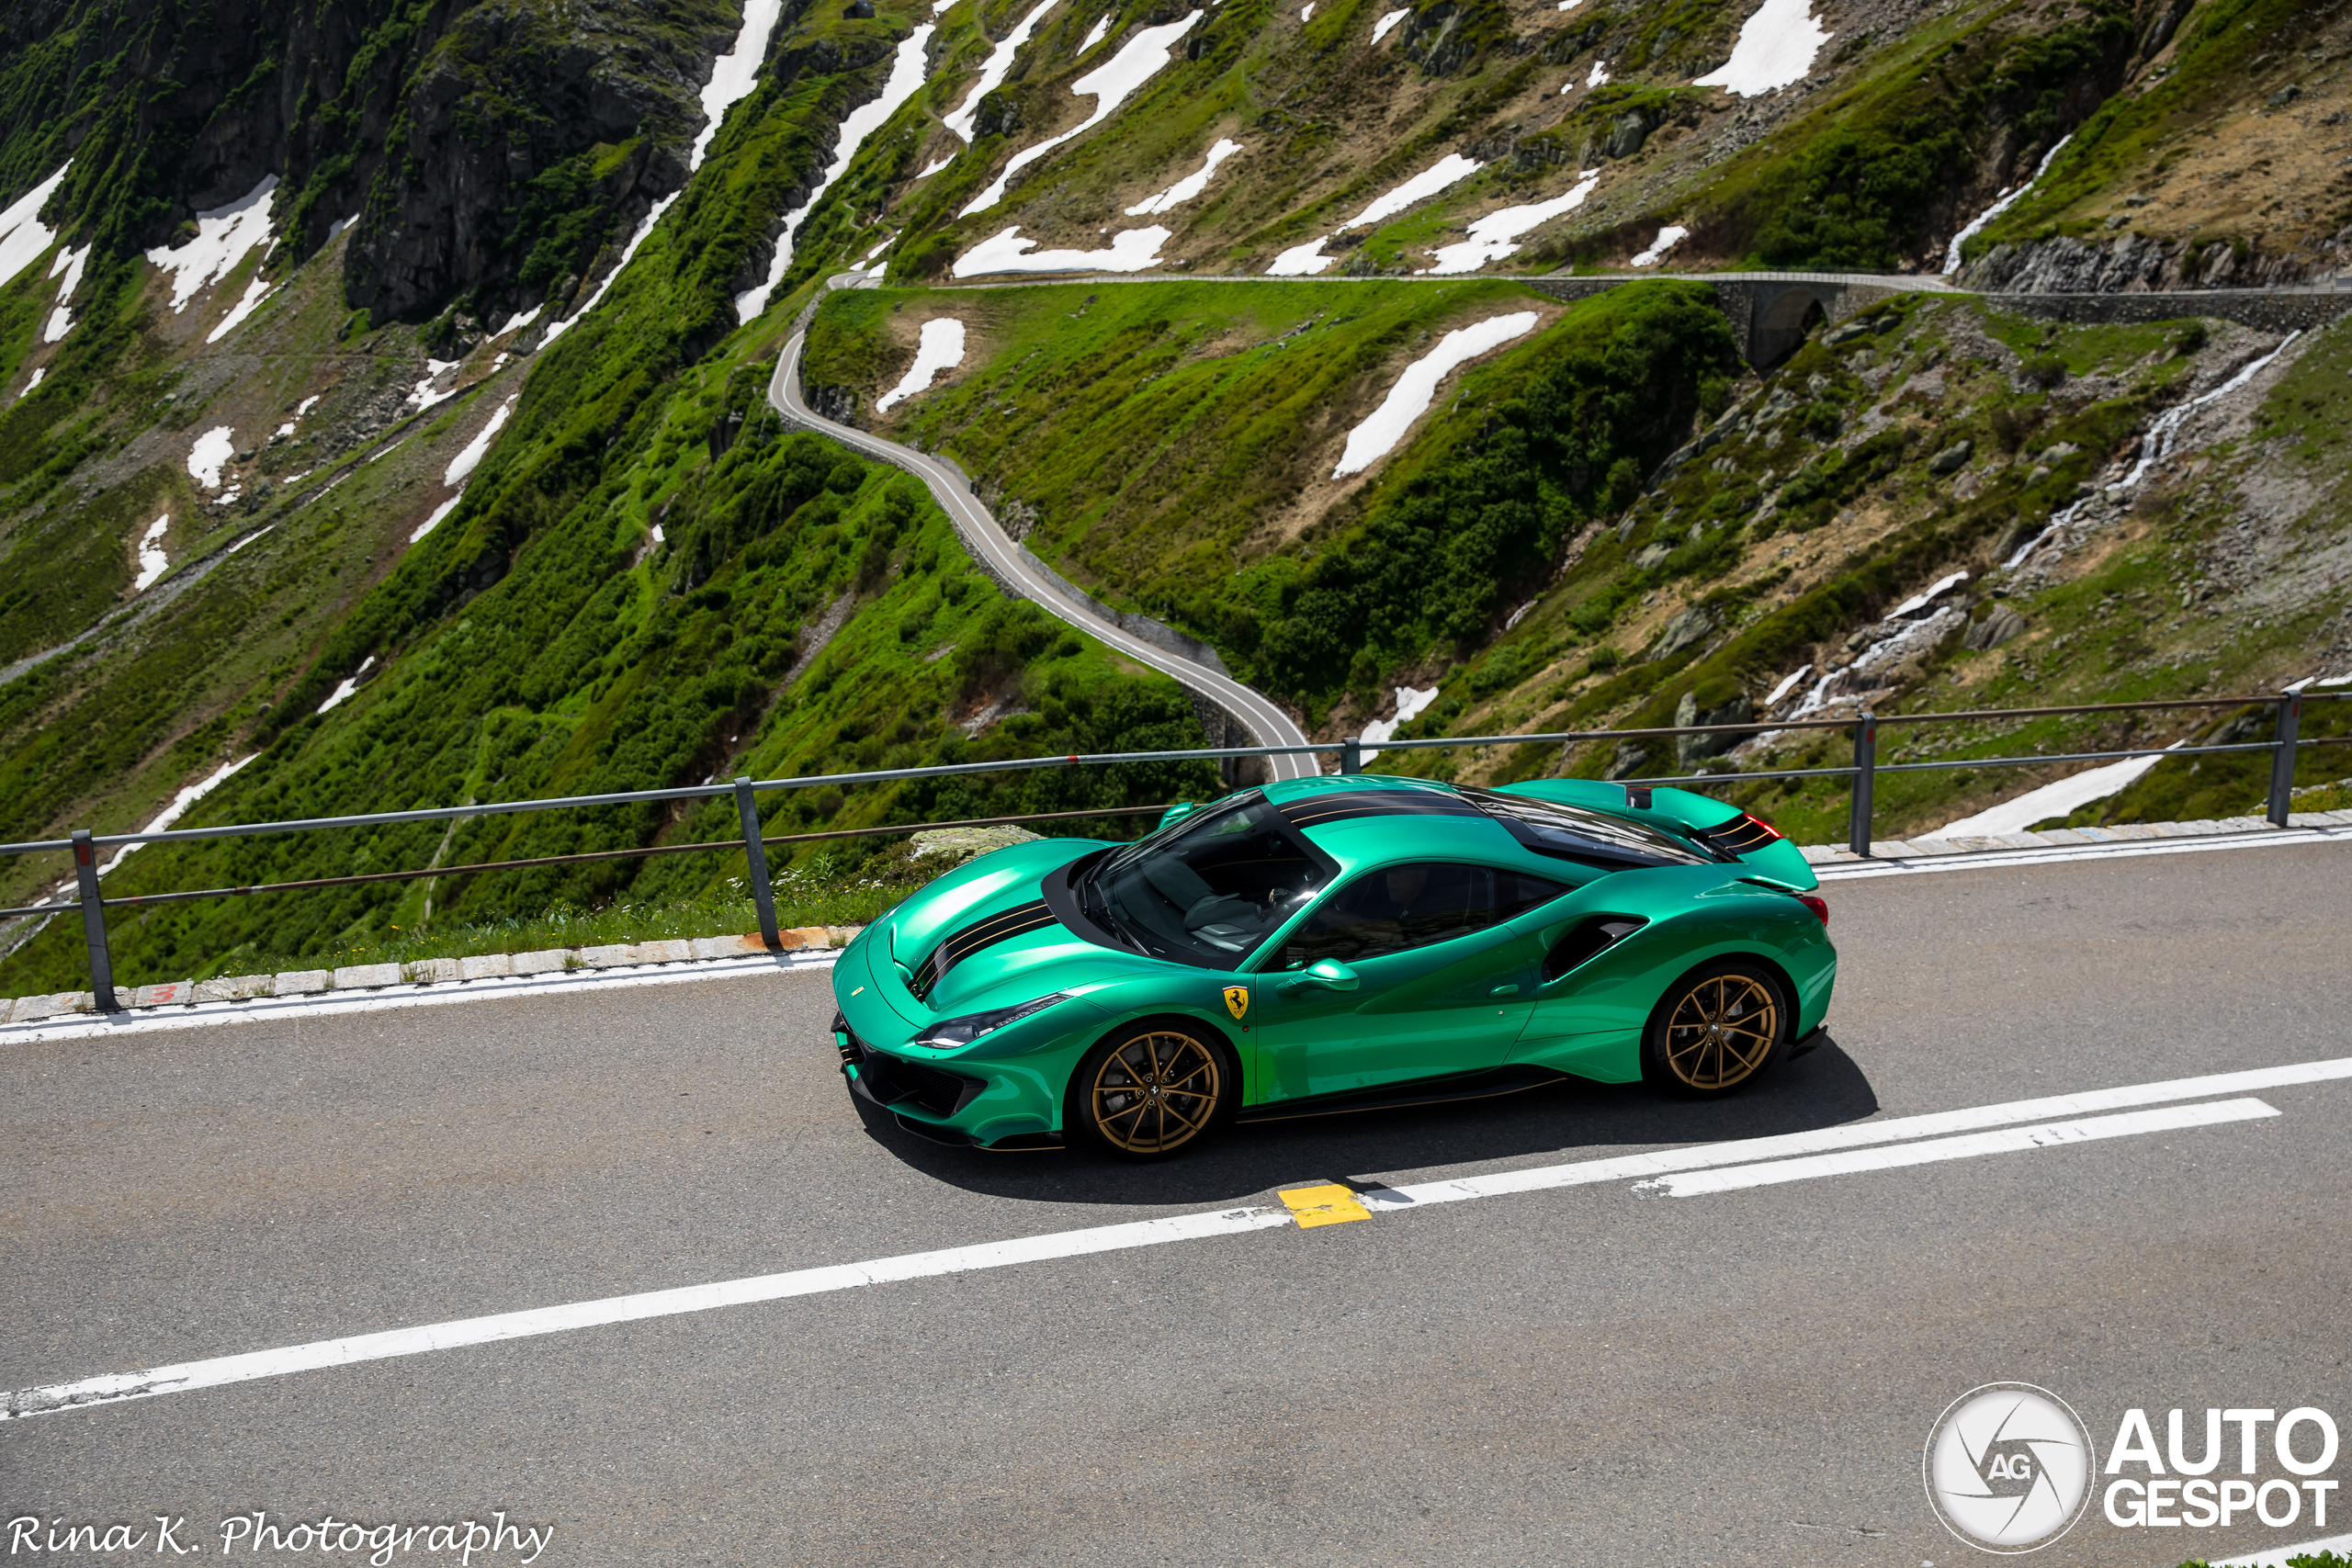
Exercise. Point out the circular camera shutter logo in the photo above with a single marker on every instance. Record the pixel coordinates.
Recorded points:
(2008, 1467)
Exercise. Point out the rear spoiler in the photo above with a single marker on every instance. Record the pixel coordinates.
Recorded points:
(1720, 828)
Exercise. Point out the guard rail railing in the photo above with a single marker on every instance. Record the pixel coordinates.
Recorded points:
(1351, 752)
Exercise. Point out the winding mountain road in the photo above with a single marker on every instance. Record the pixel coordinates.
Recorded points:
(1260, 714)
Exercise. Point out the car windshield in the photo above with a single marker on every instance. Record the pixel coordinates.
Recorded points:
(1211, 888)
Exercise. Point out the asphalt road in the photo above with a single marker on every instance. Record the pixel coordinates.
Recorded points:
(1583, 1376)
(1264, 717)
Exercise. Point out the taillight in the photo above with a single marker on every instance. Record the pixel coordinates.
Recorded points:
(1817, 904)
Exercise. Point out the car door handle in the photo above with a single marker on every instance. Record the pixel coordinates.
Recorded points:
(1510, 990)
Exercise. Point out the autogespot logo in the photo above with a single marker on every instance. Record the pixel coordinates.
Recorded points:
(2008, 1467)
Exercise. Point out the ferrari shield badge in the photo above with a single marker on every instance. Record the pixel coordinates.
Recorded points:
(1237, 1001)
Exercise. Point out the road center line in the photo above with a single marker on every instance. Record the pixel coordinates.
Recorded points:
(186, 1376)
(1968, 1145)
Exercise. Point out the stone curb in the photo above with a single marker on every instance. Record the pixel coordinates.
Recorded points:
(1994, 843)
(426, 972)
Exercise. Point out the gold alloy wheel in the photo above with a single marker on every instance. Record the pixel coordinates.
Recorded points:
(1155, 1093)
(1722, 1031)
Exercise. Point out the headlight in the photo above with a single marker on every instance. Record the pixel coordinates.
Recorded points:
(958, 1032)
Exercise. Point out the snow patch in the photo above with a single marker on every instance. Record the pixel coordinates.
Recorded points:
(2067, 796)
(433, 522)
(992, 70)
(1109, 84)
(1449, 170)
(736, 73)
(351, 684)
(339, 225)
(60, 320)
(1493, 236)
(178, 808)
(1921, 601)
(1307, 13)
(656, 533)
(521, 319)
(1668, 238)
(628, 251)
(1381, 29)
(223, 237)
(464, 463)
(942, 348)
(152, 560)
(1094, 34)
(1410, 397)
(1302, 261)
(934, 166)
(422, 396)
(1599, 77)
(259, 289)
(39, 371)
(1788, 684)
(906, 80)
(257, 532)
(1776, 48)
(1409, 705)
(23, 236)
(2009, 199)
(1191, 186)
(210, 453)
(1132, 250)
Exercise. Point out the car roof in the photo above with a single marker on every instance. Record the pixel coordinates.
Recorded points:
(1356, 819)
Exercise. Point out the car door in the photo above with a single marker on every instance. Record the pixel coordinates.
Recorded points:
(1444, 984)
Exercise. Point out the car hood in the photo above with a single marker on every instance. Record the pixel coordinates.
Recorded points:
(981, 937)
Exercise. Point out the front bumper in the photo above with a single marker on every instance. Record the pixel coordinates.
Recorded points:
(923, 1100)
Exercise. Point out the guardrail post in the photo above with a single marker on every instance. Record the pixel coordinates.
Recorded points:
(755, 854)
(94, 922)
(2282, 757)
(1352, 754)
(1858, 818)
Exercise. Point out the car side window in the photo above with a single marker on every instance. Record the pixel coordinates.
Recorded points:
(1398, 907)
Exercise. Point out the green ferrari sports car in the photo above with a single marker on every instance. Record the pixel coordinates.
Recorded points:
(1335, 944)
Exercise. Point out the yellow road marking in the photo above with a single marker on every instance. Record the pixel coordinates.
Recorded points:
(1334, 1205)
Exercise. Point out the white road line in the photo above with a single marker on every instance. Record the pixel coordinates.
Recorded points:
(1268, 722)
(1997, 860)
(183, 1377)
(2009, 1140)
(187, 1375)
(1856, 1135)
(335, 1004)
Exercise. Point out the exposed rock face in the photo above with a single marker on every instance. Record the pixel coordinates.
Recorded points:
(2132, 264)
(1686, 627)
(513, 89)
(2002, 626)
(1691, 749)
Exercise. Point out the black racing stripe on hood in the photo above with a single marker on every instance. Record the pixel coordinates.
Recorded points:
(960, 945)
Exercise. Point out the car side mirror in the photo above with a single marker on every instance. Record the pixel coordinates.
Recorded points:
(1325, 974)
(1176, 813)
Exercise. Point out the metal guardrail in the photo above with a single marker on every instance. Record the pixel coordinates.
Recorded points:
(2285, 741)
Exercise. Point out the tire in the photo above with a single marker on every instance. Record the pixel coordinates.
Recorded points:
(1153, 1090)
(1717, 1028)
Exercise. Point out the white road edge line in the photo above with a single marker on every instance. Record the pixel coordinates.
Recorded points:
(2279, 1556)
(1997, 860)
(335, 1004)
(186, 1376)
(1856, 1135)
(1969, 1146)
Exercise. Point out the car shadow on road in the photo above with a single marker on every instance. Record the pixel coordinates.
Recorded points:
(1570, 1120)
